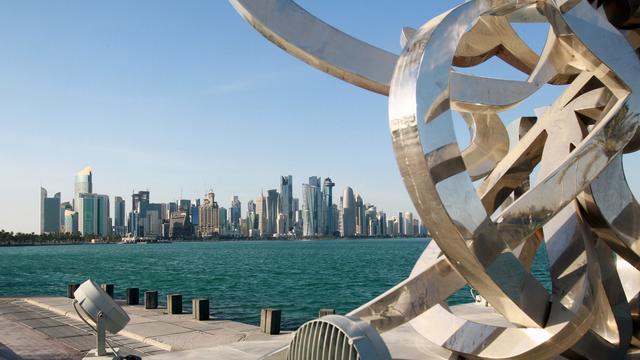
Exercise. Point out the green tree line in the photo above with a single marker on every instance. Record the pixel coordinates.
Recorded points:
(11, 238)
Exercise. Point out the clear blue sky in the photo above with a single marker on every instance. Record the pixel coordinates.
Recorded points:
(171, 95)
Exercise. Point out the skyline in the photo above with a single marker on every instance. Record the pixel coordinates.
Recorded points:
(279, 214)
(171, 97)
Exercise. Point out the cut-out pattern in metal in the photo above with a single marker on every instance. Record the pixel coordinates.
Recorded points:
(554, 177)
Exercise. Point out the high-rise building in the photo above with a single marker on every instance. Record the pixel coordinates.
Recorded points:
(382, 220)
(49, 212)
(272, 211)
(327, 193)
(83, 184)
(209, 217)
(408, 224)
(70, 222)
(282, 224)
(251, 206)
(119, 216)
(361, 221)
(64, 207)
(400, 220)
(235, 212)
(139, 201)
(93, 214)
(261, 212)
(348, 213)
(312, 208)
(286, 200)
(222, 221)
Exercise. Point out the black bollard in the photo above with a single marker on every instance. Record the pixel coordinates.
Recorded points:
(270, 321)
(150, 299)
(200, 309)
(108, 288)
(133, 296)
(174, 304)
(71, 288)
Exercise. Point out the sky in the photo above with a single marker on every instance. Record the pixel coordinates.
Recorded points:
(179, 97)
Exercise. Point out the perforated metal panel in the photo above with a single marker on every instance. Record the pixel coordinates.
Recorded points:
(337, 337)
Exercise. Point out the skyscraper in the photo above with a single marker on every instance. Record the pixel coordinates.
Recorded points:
(272, 211)
(119, 215)
(49, 212)
(208, 216)
(235, 212)
(139, 201)
(83, 184)
(327, 193)
(93, 214)
(361, 222)
(261, 211)
(408, 224)
(286, 200)
(348, 213)
(312, 214)
(251, 206)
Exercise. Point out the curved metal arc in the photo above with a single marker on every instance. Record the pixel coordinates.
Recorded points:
(320, 45)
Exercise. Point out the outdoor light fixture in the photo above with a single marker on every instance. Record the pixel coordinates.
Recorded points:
(105, 314)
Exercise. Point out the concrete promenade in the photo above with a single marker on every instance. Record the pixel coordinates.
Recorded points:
(31, 326)
(39, 328)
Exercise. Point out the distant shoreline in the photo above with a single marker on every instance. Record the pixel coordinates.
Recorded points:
(223, 239)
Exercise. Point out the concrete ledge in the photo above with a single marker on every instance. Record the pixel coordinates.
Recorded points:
(168, 332)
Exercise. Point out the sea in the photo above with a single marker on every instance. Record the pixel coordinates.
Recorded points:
(239, 277)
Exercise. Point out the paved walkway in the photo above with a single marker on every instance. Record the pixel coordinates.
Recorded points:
(30, 332)
(155, 327)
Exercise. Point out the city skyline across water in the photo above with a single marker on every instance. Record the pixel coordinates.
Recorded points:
(317, 212)
(156, 93)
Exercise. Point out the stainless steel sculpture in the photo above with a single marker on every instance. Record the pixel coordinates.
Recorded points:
(487, 213)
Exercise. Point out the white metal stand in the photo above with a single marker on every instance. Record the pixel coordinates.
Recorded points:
(100, 351)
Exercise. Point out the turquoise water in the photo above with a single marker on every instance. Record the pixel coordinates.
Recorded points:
(238, 277)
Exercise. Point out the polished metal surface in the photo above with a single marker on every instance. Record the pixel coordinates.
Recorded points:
(555, 177)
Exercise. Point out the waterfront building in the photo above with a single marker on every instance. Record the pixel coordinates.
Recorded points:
(261, 212)
(251, 206)
(400, 219)
(327, 194)
(93, 214)
(272, 211)
(209, 217)
(391, 228)
(282, 224)
(146, 218)
(139, 200)
(222, 221)
(70, 222)
(49, 212)
(423, 230)
(361, 227)
(83, 184)
(408, 224)
(179, 225)
(416, 227)
(382, 220)
(119, 216)
(235, 212)
(297, 228)
(336, 221)
(312, 214)
(286, 201)
(64, 207)
(348, 220)
(171, 208)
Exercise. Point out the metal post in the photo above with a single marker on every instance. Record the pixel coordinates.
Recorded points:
(101, 335)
